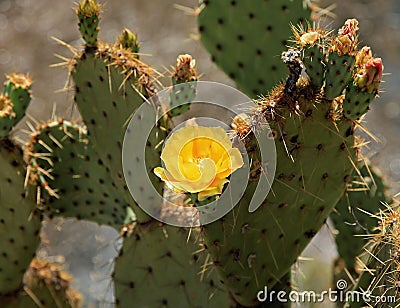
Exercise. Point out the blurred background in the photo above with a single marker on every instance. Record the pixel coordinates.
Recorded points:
(166, 30)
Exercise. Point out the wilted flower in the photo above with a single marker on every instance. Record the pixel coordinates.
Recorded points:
(198, 159)
(371, 75)
(363, 56)
(346, 40)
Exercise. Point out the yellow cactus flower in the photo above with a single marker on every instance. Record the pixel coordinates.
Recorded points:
(198, 159)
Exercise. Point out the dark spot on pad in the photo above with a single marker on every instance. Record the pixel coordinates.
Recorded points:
(349, 132)
(309, 234)
(294, 139)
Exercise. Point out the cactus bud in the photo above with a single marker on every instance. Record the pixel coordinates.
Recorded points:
(128, 40)
(88, 12)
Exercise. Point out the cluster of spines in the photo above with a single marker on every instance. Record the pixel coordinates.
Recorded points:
(47, 285)
(380, 276)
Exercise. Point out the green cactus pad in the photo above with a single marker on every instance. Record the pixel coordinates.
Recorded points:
(339, 73)
(351, 219)
(110, 85)
(253, 250)
(356, 102)
(73, 180)
(184, 85)
(88, 12)
(19, 224)
(162, 266)
(47, 285)
(246, 38)
(313, 59)
(14, 101)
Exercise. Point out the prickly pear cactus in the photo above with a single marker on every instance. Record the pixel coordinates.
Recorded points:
(245, 39)
(78, 170)
(251, 250)
(316, 157)
(111, 83)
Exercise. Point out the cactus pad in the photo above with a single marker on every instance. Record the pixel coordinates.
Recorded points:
(14, 101)
(339, 73)
(354, 218)
(111, 83)
(19, 224)
(341, 59)
(365, 86)
(88, 12)
(245, 39)
(162, 266)
(184, 85)
(73, 180)
(315, 162)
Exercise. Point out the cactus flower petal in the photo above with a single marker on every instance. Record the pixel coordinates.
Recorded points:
(198, 159)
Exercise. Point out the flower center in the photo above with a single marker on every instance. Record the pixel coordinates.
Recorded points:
(199, 158)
